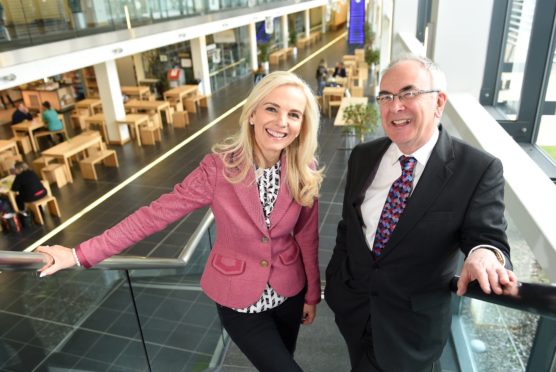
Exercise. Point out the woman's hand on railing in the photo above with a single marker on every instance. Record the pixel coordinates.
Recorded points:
(57, 258)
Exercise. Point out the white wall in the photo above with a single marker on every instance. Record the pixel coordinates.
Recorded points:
(460, 42)
(405, 16)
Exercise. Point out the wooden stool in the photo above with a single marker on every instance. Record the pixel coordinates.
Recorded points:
(54, 173)
(181, 119)
(39, 163)
(48, 200)
(149, 135)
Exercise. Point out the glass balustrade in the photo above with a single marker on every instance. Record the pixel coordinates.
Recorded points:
(24, 23)
(491, 337)
(94, 320)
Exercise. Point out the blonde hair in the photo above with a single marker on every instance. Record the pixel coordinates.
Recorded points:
(238, 152)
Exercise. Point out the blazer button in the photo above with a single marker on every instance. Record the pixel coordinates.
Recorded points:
(263, 263)
(264, 239)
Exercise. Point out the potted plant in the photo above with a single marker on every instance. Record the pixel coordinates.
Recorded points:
(372, 56)
(369, 36)
(361, 119)
(264, 49)
(293, 41)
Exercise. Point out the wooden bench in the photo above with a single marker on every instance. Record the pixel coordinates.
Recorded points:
(302, 42)
(192, 101)
(275, 57)
(87, 165)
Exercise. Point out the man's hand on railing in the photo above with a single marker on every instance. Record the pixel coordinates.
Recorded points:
(483, 266)
(57, 258)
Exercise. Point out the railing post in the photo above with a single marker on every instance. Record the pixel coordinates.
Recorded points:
(543, 351)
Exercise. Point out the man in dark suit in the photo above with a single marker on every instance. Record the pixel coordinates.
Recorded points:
(388, 278)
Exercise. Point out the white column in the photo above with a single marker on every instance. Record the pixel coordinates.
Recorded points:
(405, 16)
(112, 103)
(285, 31)
(323, 24)
(253, 46)
(139, 68)
(200, 64)
(307, 22)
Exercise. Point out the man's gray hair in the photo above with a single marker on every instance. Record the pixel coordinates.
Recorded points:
(438, 78)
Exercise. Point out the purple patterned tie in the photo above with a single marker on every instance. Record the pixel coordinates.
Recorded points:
(394, 205)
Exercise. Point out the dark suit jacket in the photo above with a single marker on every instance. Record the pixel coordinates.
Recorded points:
(456, 205)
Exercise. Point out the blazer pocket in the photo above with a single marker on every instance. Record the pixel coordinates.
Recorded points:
(426, 301)
(290, 256)
(228, 265)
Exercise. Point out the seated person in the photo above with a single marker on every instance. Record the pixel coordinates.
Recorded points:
(51, 119)
(21, 114)
(27, 184)
(340, 70)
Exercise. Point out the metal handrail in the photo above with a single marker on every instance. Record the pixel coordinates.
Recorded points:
(21, 261)
(534, 298)
(539, 299)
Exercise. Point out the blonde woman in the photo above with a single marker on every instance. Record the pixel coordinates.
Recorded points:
(262, 186)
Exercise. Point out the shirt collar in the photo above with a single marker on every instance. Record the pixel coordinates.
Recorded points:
(422, 154)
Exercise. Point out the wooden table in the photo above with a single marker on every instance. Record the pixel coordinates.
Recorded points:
(134, 121)
(6, 189)
(140, 92)
(90, 104)
(331, 92)
(27, 127)
(158, 106)
(80, 143)
(179, 93)
(347, 101)
(6, 145)
(98, 119)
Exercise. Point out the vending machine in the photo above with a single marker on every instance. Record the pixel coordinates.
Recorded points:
(176, 77)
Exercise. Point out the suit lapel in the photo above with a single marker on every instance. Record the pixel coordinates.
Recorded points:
(248, 195)
(433, 180)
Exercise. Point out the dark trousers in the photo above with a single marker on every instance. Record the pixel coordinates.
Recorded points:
(268, 338)
(362, 355)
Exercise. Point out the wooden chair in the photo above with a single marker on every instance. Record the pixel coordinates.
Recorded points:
(48, 200)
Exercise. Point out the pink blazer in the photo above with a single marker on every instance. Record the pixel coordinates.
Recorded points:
(246, 255)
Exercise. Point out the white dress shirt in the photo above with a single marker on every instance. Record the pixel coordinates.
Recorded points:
(388, 171)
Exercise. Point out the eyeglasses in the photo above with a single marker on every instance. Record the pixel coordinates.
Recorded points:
(405, 96)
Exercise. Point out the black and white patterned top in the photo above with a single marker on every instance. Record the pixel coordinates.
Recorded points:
(268, 182)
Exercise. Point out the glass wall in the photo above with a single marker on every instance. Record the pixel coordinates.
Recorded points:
(228, 56)
(514, 57)
(546, 138)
